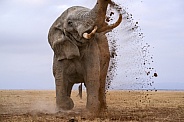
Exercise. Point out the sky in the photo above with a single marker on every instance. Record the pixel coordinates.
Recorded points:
(26, 57)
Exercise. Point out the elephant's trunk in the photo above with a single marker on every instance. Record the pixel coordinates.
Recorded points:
(98, 15)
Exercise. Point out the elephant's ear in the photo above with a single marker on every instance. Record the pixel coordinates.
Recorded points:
(63, 47)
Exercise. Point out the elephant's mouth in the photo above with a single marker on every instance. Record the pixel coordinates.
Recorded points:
(77, 40)
(81, 39)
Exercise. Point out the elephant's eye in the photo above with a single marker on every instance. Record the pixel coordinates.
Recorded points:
(69, 22)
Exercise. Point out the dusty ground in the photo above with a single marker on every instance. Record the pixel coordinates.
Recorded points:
(20, 105)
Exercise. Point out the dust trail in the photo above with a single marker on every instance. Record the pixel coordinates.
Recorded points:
(40, 106)
(127, 45)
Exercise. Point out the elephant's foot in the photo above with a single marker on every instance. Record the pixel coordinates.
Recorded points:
(103, 106)
(66, 103)
(93, 107)
(87, 114)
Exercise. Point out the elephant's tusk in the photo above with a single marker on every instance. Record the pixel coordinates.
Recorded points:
(88, 36)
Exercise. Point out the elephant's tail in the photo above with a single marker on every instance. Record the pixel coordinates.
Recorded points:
(80, 90)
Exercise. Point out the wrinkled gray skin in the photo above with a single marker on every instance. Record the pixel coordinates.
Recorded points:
(81, 60)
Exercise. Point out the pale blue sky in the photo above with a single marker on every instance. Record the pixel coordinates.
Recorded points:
(26, 57)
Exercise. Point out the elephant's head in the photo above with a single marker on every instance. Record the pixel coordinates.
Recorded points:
(78, 25)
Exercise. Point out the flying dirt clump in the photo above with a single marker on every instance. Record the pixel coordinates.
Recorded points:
(113, 46)
(136, 65)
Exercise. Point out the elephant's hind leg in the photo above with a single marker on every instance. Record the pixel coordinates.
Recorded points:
(69, 89)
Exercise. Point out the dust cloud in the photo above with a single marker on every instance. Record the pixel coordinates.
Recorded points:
(42, 107)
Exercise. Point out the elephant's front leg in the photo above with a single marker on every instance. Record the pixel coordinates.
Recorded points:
(92, 66)
(104, 64)
(63, 101)
(93, 103)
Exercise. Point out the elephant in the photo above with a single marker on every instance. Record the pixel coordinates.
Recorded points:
(81, 54)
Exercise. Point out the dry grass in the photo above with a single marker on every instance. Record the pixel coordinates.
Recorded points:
(21, 105)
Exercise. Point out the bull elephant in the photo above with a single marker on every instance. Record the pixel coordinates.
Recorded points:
(81, 54)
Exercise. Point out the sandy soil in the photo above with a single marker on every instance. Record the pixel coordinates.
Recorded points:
(133, 106)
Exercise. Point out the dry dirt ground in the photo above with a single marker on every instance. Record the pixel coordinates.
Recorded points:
(132, 106)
